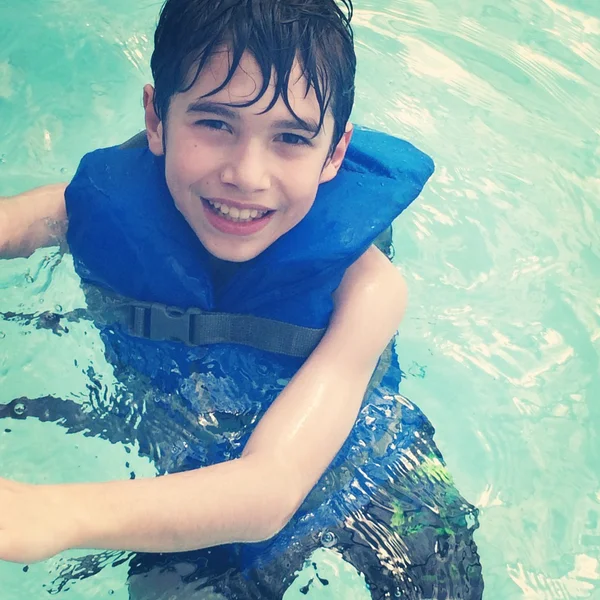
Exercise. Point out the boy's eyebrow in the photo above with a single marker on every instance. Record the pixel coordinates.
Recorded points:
(308, 125)
(213, 108)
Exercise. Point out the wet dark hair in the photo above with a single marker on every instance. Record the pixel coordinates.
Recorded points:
(275, 32)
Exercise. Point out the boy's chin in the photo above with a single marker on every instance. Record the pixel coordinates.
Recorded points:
(241, 254)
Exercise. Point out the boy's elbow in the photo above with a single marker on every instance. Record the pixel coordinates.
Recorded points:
(276, 514)
(278, 504)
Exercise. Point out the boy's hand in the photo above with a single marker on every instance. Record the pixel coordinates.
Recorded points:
(35, 522)
(32, 220)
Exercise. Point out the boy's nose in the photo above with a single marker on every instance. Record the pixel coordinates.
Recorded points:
(246, 169)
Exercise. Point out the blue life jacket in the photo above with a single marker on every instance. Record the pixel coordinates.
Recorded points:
(127, 236)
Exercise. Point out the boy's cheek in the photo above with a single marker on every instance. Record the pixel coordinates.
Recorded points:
(304, 182)
(186, 165)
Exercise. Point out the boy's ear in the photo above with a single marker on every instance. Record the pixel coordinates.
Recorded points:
(334, 162)
(154, 126)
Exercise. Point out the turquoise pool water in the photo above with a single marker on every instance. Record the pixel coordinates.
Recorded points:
(501, 253)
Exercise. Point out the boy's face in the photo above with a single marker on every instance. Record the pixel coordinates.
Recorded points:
(240, 178)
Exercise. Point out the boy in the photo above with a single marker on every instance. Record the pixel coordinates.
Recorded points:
(249, 116)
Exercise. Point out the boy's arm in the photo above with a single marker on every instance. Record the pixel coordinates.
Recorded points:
(32, 220)
(243, 500)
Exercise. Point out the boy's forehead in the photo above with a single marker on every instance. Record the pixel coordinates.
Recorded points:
(245, 86)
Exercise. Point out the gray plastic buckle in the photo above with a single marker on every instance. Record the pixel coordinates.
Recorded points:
(170, 323)
(159, 322)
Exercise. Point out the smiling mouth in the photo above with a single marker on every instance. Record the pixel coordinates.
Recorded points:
(234, 214)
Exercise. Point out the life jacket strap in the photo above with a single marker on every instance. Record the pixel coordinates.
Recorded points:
(196, 327)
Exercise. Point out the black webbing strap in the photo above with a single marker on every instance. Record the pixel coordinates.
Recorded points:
(196, 327)
(193, 327)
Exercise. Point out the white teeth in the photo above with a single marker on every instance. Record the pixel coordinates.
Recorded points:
(235, 214)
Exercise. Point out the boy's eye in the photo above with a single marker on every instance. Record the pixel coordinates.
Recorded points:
(294, 139)
(213, 124)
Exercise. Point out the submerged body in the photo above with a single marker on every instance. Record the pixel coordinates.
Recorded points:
(387, 504)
